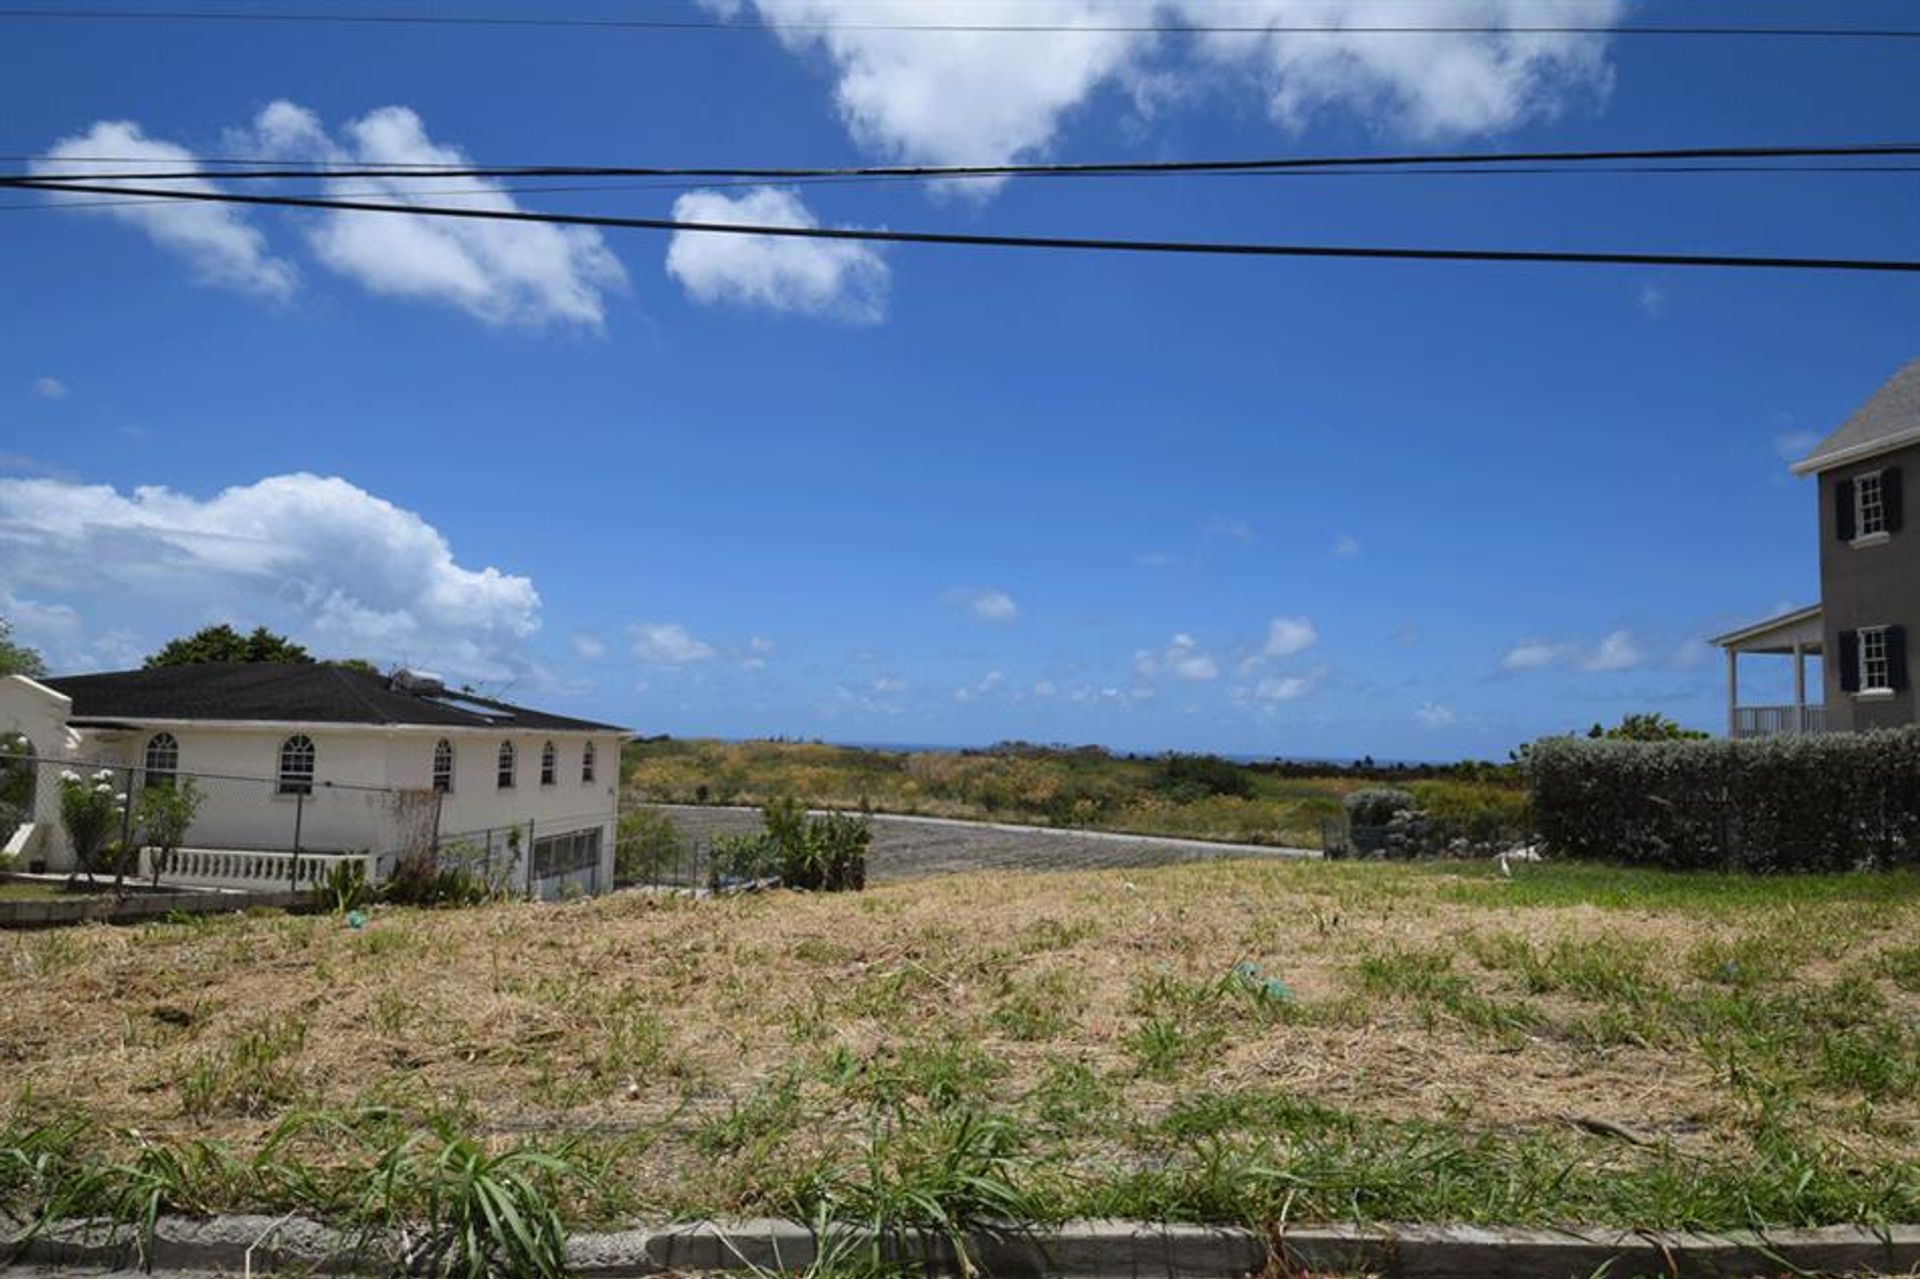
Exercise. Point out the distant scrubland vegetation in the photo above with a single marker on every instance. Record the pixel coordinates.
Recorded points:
(1196, 796)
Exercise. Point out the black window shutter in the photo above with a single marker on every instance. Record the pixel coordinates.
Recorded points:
(1897, 657)
(1890, 497)
(1849, 661)
(1843, 509)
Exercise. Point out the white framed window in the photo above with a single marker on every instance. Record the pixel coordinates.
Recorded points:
(549, 764)
(162, 761)
(586, 765)
(443, 767)
(296, 765)
(1869, 504)
(1876, 670)
(503, 777)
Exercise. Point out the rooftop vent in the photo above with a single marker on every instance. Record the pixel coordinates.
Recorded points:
(421, 683)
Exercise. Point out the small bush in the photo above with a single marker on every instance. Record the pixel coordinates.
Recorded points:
(745, 857)
(1829, 802)
(1376, 805)
(432, 877)
(1186, 778)
(827, 854)
(1474, 811)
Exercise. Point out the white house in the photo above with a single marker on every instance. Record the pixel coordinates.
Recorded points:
(302, 765)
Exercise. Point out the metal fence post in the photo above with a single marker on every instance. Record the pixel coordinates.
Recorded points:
(299, 816)
(530, 859)
(126, 833)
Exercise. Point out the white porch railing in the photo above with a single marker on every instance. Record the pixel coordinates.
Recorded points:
(233, 868)
(1776, 721)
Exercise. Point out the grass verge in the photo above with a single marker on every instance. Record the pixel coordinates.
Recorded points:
(1572, 1047)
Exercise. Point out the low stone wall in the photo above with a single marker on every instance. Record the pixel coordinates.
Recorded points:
(146, 903)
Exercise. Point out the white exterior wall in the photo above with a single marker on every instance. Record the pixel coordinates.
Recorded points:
(477, 804)
(40, 715)
(236, 768)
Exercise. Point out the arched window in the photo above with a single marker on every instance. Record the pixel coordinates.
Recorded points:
(162, 759)
(549, 764)
(443, 766)
(586, 765)
(505, 778)
(296, 765)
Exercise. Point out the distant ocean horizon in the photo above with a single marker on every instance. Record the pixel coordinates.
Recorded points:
(949, 748)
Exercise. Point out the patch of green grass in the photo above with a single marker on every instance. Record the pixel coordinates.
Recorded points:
(31, 890)
(1605, 968)
(1901, 966)
(1558, 884)
(1040, 1007)
(1427, 978)
(253, 1075)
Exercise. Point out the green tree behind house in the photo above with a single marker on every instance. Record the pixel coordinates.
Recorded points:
(224, 644)
(16, 658)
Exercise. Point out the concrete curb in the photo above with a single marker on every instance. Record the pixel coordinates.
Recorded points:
(1076, 1250)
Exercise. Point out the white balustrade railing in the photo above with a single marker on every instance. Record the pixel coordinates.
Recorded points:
(1775, 721)
(234, 868)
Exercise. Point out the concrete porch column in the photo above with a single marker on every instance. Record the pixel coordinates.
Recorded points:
(1799, 688)
(1733, 691)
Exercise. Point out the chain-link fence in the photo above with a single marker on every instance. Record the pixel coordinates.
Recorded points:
(105, 817)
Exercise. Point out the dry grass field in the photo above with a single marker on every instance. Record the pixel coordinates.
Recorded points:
(1577, 1045)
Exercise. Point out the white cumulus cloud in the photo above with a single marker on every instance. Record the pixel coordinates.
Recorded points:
(1424, 85)
(1617, 651)
(1532, 655)
(50, 388)
(1435, 715)
(1182, 658)
(216, 241)
(337, 564)
(984, 603)
(668, 644)
(841, 279)
(505, 273)
(1289, 635)
(953, 97)
(589, 646)
(982, 98)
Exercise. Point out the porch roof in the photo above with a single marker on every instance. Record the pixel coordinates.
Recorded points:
(1799, 629)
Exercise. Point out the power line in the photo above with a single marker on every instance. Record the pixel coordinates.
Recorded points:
(54, 206)
(992, 28)
(788, 173)
(1074, 243)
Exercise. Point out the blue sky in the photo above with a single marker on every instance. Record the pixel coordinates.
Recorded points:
(710, 486)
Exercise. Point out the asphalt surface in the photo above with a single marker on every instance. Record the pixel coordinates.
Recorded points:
(912, 847)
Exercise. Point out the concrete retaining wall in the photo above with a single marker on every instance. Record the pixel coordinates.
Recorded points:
(50, 912)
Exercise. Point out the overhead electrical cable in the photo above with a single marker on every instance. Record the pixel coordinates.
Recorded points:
(57, 205)
(975, 239)
(511, 21)
(270, 169)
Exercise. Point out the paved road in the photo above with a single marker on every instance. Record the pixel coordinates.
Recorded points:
(907, 847)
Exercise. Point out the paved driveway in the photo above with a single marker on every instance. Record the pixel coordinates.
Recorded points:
(906, 847)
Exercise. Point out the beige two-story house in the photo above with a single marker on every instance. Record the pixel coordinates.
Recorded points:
(1869, 581)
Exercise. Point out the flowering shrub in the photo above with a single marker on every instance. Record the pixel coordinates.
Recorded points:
(164, 814)
(1823, 802)
(90, 809)
(1376, 805)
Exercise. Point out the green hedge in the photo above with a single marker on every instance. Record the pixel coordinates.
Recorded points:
(1801, 803)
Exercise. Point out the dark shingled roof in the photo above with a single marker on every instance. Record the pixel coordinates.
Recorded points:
(1891, 417)
(304, 692)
